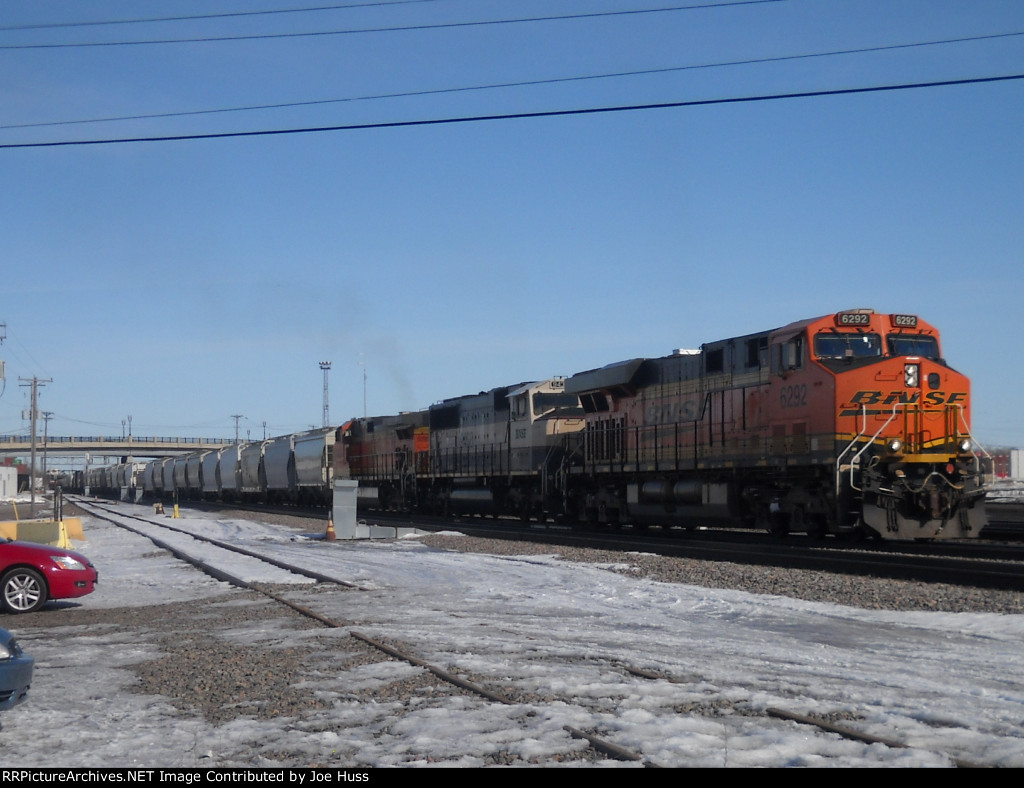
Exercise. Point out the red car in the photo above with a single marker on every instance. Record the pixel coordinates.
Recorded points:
(31, 574)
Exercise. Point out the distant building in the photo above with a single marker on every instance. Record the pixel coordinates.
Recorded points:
(1006, 463)
(8, 482)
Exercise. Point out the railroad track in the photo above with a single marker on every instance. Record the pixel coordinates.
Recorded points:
(398, 652)
(980, 565)
(391, 644)
(988, 564)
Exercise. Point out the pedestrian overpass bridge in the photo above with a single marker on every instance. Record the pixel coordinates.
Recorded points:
(101, 446)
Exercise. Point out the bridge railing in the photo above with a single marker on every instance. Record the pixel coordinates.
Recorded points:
(95, 439)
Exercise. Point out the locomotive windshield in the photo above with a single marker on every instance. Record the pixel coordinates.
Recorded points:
(848, 345)
(913, 345)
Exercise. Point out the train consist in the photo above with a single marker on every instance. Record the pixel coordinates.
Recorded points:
(847, 423)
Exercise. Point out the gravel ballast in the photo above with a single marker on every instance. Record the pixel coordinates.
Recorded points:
(815, 586)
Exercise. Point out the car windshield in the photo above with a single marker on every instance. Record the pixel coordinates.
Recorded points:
(913, 345)
(847, 345)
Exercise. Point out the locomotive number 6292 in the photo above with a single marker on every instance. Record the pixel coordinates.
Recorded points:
(793, 396)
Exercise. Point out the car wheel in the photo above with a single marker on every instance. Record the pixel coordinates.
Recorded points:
(24, 591)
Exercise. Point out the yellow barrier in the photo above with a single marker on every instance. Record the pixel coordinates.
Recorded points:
(49, 532)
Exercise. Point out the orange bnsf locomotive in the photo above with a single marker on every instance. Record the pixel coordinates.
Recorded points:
(846, 423)
(849, 423)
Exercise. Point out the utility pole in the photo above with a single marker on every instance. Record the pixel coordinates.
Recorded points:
(326, 367)
(35, 383)
(237, 418)
(47, 415)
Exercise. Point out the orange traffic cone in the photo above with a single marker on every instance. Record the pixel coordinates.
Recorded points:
(329, 536)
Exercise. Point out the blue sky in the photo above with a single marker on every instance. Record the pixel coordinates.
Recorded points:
(185, 281)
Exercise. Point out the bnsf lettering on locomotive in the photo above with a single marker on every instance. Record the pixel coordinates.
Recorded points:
(902, 397)
(940, 398)
(907, 398)
(881, 398)
(866, 397)
(672, 412)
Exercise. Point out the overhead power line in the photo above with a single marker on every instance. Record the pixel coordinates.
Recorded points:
(393, 29)
(205, 17)
(522, 115)
(523, 83)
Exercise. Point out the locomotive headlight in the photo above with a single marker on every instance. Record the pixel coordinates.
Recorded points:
(911, 375)
(964, 444)
(894, 445)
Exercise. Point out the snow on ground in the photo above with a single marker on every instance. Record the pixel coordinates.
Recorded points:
(945, 684)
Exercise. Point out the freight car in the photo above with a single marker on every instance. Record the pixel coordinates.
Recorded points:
(296, 468)
(313, 457)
